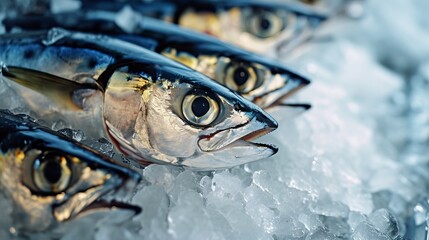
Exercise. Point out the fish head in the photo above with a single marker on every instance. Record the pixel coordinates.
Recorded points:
(259, 79)
(263, 81)
(52, 180)
(178, 116)
(254, 25)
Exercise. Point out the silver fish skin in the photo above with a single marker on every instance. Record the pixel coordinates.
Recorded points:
(255, 25)
(261, 80)
(152, 108)
(51, 179)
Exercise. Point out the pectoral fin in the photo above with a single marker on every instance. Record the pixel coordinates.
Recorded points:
(58, 89)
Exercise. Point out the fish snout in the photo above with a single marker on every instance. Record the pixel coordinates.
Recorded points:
(292, 84)
(286, 87)
(300, 81)
(266, 119)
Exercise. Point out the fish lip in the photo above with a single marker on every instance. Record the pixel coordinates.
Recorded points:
(256, 134)
(113, 197)
(101, 204)
(272, 147)
(110, 199)
(246, 136)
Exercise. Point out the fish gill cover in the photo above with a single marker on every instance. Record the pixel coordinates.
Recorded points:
(352, 167)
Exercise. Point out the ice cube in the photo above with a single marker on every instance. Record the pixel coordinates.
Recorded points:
(355, 218)
(263, 216)
(58, 6)
(205, 185)
(153, 219)
(366, 231)
(160, 175)
(311, 222)
(127, 19)
(385, 222)
(189, 219)
(113, 232)
(327, 207)
(336, 226)
(321, 234)
(287, 227)
(186, 180)
(77, 135)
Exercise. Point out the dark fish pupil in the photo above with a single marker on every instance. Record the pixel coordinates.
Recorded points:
(52, 172)
(92, 63)
(200, 106)
(241, 76)
(265, 24)
(29, 53)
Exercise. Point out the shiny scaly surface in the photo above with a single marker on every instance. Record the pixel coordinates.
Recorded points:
(51, 179)
(151, 108)
(261, 80)
(256, 25)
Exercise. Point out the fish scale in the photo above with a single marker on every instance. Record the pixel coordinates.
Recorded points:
(51, 179)
(265, 82)
(111, 88)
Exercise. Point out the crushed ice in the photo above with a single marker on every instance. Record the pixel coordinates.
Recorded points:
(341, 172)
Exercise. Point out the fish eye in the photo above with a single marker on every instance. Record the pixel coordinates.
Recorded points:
(265, 24)
(51, 173)
(240, 78)
(200, 108)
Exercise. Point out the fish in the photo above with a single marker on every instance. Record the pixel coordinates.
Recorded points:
(255, 25)
(333, 6)
(51, 179)
(263, 81)
(151, 108)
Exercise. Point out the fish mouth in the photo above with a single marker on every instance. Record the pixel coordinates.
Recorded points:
(113, 199)
(98, 199)
(277, 97)
(106, 205)
(239, 136)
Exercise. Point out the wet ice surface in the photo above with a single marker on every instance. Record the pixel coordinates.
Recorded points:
(340, 172)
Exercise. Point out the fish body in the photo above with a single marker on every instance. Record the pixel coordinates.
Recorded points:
(152, 108)
(261, 80)
(256, 25)
(51, 179)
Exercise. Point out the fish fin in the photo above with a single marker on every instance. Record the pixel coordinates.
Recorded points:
(58, 89)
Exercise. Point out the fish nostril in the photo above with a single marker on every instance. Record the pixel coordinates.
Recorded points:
(239, 107)
(268, 120)
(304, 81)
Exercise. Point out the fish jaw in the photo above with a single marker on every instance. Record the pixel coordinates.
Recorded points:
(96, 182)
(232, 146)
(237, 153)
(113, 194)
(281, 86)
(246, 132)
(110, 186)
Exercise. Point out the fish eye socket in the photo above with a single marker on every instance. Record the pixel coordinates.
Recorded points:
(51, 173)
(240, 78)
(199, 108)
(265, 24)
